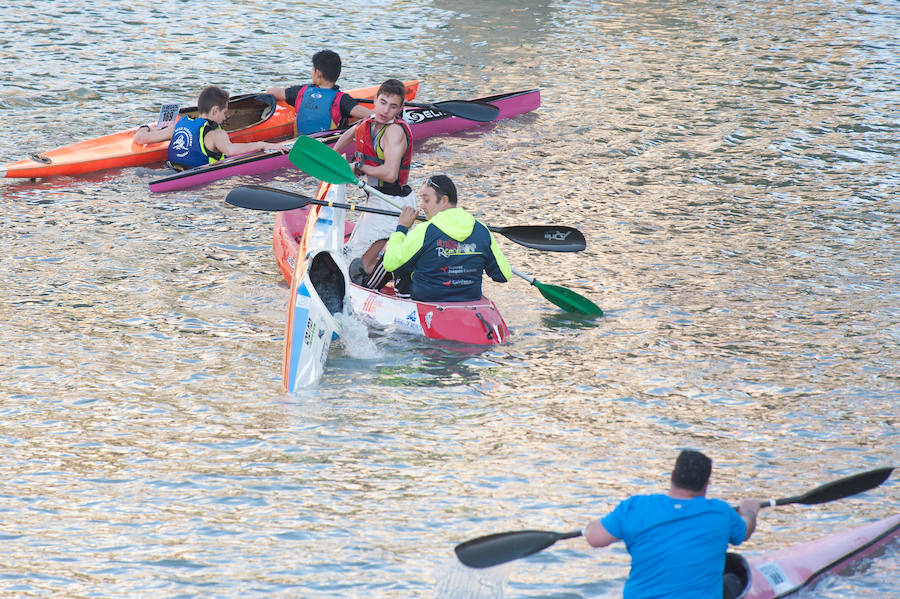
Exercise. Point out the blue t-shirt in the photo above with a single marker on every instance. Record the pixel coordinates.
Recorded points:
(677, 546)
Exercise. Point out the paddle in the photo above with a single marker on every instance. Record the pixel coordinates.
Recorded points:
(491, 550)
(837, 489)
(565, 298)
(472, 110)
(319, 161)
(546, 238)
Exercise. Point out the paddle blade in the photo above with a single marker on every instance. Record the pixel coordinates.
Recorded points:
(844, 487)
(318, 160)
(495, 549)
(258, 197)
(472, 110)
(567, 299)
(546, 238)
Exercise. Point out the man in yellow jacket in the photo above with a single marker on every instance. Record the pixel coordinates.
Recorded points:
(445, 255)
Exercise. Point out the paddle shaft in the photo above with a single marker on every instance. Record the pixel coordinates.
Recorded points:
(523, 275)
(472, 110)
(501, 230)
(542, 237)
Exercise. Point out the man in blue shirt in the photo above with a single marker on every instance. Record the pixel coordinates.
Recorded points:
(677, 541)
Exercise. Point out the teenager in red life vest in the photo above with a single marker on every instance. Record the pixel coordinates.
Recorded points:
(383, 154)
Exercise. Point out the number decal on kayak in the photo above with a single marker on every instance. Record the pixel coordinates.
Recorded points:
(775, 576)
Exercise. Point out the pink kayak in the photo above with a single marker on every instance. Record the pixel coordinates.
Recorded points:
(424, 123)
(783, 573)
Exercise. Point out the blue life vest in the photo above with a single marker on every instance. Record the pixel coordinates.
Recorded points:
(186, 147)
(317, 109)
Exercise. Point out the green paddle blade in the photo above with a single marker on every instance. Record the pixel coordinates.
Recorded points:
(318, 160)
(567, 299)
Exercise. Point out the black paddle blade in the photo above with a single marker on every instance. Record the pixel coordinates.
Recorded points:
(548, 238)
(844, 487)
(472, 110)
(495, 549)
(259, 197)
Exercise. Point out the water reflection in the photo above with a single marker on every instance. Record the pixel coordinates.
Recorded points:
(731, 166)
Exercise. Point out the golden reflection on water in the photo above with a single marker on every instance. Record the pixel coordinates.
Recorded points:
(733, 170)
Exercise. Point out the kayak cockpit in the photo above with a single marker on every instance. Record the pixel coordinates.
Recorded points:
(243, 111)
(736, 581)
(326, 277)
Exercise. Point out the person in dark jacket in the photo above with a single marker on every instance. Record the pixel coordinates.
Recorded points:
(446, 254)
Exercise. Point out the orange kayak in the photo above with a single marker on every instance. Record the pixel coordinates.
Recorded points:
(250, 117)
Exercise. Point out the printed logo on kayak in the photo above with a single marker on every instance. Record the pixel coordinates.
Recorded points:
(420, 116)
(181, 143)
(409, 321)
(556, 235)
(775, 576)
(310, 332)
(370, 304)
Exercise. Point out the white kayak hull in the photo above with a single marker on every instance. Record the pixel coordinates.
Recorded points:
(318, 292)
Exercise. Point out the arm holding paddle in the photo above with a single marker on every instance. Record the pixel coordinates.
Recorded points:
(408, 216)
(597, 536)
(748, 510)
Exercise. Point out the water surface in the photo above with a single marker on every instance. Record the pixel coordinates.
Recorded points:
(732, 165)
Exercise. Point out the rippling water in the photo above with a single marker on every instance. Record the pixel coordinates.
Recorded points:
(733, 166)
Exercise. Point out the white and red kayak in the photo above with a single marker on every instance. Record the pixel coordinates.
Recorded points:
(783, 573)
(475, 322)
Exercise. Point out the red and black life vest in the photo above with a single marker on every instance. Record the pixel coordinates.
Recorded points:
(369, 151)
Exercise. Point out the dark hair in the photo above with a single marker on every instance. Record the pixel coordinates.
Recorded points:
(692, 470)
(211, 97)
(392, 87)
(328, 63)
(443, 186)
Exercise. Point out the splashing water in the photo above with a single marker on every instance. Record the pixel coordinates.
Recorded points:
(456, 581)
(354, 336)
